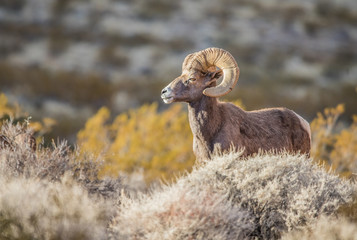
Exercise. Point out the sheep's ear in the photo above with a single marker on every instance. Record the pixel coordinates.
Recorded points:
(216, 74)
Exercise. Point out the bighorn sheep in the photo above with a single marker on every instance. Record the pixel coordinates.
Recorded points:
(220, 125)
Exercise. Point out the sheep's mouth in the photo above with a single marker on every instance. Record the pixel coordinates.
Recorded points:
(168, 100)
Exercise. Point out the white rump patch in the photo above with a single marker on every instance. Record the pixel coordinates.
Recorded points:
(305, 125)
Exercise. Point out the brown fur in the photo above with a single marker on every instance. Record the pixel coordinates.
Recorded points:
(222, 125)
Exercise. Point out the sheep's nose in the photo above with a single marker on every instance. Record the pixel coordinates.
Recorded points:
(163, 91)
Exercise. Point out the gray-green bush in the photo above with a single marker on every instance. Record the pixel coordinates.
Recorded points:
(226, 198)
(39, 209)
(325, 228)
(55, 193)
(51, 164)
(51, 193)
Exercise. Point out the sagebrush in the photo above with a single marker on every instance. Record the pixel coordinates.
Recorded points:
(325, 228)
(51, 193)
(55, 193)
(39, 209)
(52, 163)
(227, 198)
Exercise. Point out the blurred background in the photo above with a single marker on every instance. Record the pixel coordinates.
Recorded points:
(64, 59)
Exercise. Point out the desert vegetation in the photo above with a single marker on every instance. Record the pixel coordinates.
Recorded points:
(159, 144)
(109, 185)
(334, 145)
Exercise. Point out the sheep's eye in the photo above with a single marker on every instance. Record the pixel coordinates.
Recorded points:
(190, 80)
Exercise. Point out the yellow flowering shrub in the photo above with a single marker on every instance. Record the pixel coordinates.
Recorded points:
(322, 132)
(6, 110)
(335, 149)
(160, 143)
(344, 153)
(94, 138)
(16, 114)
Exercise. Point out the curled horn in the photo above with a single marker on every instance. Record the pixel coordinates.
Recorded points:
(222, 59)
(188, 59)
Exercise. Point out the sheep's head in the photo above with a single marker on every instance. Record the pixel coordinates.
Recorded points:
(200, 72)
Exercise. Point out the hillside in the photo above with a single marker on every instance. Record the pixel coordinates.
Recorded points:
(65, 59)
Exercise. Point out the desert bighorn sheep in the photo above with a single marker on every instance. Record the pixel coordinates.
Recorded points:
(221, 125)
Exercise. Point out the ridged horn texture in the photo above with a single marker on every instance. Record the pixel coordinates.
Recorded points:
(219, 58)
(188, 60)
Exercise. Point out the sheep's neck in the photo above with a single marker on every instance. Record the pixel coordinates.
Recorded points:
(205, 118)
